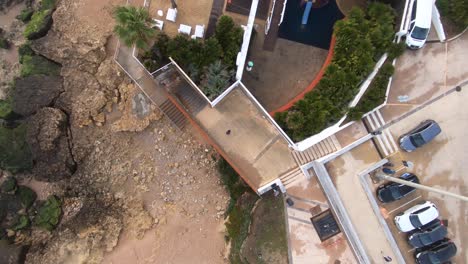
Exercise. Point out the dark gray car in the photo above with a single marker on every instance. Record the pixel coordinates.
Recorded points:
(431, 234)
(419, 136)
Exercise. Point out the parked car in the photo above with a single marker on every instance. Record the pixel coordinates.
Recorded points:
(420, 23)
(419, 136)
(416, 216)
(429, 235)
(438, 253)
(395, 191)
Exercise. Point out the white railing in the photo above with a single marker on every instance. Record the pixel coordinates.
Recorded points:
(268, 21)
(246, 40)
(282, 12)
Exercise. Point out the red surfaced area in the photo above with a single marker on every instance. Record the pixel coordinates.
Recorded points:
(312, 84)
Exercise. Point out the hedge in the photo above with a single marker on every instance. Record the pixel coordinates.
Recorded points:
(455, 10)
(360, 41)
(375, 94)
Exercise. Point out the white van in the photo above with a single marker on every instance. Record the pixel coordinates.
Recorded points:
(420, 23)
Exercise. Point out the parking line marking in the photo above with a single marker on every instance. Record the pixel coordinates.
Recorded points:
(413, 249)
(404, 204)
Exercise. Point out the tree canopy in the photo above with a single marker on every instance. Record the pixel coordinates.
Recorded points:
(133, 26)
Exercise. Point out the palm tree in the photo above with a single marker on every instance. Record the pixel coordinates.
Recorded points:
(133, 25)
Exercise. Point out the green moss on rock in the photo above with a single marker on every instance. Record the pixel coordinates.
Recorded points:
(48, 215)
(39, 25)
(15, 155)
(35, 64)
(25, 15)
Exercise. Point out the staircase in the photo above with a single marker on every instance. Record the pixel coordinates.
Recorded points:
(321, 149)
(173, 113)
(190, 98)
(385, 141)
(291, 176)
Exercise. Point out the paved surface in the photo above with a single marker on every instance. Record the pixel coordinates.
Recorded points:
(279, 75)
(424, 74)
(254, 145)
(344, 172)
(305, 245)
(440, 164)
(190, 13)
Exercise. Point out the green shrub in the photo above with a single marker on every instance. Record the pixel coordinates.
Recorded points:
(40, 21)
(48, 215)
(25, 15)
(232, 182)
(15, 154)
(5, 108)
(229, 36)
(26, 195)
(455, 10)
(21, 223)
(9, 185)
(360, 40)
(215, 79)
(35, 64)
(375, 94)
(48, 4)
(25, 50)
(4, 43)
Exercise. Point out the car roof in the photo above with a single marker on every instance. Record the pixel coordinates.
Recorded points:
(428, 215)
(423, 13)
(432, 131)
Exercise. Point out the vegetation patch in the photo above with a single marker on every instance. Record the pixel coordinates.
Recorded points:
(40, 23)
(455, 10)
(9, 185)
(36, 64)
(21, 223)
(6, 109)
(25, 15)
(267, 241)
(210, 63)
(360, 41)
(48, 215)
(239, 209)
(26, 195)
(375, 94)
(15, 155)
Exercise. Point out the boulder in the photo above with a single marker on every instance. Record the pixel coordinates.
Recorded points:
(35, 92)
(47, 136)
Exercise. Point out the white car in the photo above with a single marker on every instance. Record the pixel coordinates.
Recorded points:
(416, 216)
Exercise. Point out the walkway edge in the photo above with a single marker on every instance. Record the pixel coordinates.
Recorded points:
(340, 212)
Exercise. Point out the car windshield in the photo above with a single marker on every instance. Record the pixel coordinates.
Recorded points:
(395, 192)
(419, 33)
(426, 239)
(417, 140)
(414, 219)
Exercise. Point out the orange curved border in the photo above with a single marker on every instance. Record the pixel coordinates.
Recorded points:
(314, 82)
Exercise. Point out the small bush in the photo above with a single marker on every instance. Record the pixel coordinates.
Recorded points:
(4, 43)
(48, 215)
(215, 79)
(9, 185)
(36, 64)
(21, 223)
(229, 36)
(26, 195)
(15, 154)
(40, 23)
(24, 50)
(25, 15)
(48, 4)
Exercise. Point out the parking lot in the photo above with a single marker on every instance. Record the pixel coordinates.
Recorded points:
(440, 164)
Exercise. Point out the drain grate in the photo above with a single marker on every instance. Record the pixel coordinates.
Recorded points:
(325, 225)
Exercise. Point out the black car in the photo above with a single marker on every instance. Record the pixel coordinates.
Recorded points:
(419, 136)
(438, 253)
(395, 191)
(429, 235)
